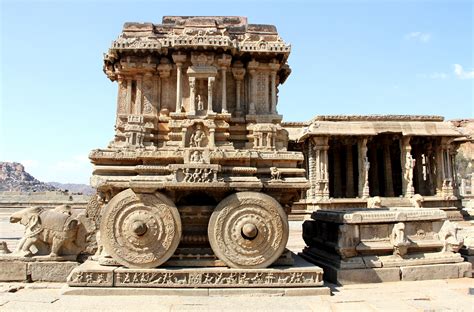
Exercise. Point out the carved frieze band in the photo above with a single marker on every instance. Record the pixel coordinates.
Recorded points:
(197, 279)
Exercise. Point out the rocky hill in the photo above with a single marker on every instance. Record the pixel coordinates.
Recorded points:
(14, 178)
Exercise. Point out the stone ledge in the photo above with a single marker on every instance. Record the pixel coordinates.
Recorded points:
(301, 275)
(13, 271)
(203, 292)
(393, 274)
(36, 271)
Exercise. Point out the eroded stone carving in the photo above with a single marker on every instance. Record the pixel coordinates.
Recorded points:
(399, 240)
(248, 230)
(48, 232)
(141, 230)
(374, 202)
(381, 238)
(448, 234)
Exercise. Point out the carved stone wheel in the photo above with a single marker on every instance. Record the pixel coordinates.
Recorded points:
(140, 230)
(248, 230)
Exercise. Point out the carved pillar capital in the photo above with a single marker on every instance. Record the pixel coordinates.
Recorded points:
(179, 58)
(224, 61)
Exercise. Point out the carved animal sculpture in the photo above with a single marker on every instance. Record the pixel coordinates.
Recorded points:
(374, 202)
(448, 234)
(417, 200)
(399, 240)
(47, 231)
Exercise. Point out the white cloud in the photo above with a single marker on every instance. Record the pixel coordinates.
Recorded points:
(461, 73)
(418, 36)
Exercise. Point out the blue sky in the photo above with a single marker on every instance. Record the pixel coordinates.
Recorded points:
(348, 57)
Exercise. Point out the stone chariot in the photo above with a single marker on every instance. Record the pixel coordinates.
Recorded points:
(198, 172)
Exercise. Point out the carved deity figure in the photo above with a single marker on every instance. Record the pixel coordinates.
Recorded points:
(200, 104)
(409, 166)
(197, 137)
(275, 173)
(187, 175)
(196, 157)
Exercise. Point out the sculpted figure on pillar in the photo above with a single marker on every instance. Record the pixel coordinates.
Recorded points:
(198, 136)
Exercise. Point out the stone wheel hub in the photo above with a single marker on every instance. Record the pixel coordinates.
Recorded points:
(248, 230)
(140, 230)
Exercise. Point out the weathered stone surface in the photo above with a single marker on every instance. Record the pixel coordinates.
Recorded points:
(372, 245)
(90, 273)
(11, 271)
(357, 276)
(191, 292)
(303, 274)
(49, 233)
(434, 271)
(197, 124)
(50, 271)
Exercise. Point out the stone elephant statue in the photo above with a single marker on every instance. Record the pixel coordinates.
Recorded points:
(52, 232)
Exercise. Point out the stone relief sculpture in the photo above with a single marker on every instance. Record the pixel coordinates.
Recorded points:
(197, 137)
(200, 103)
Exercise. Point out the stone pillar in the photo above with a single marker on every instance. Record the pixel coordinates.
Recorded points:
(183, 137)
(128, 100)
(408, 166)
(138, 95)
(462, 189)
(179, 59)
(318, 168)
(192, 95)
(311, 192)
(273, 90)
(157, 92)
(178, 88)
(266, 77)
(210, 84)
(337, 172)
(388, 181)
(323, 168)
(164, 70)
(238, 71)
(224, 63)
(212, 138)
(363, 167)
(224, 91)
(273, 84)
(439, 170)
(252, 65)
(349, 172)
